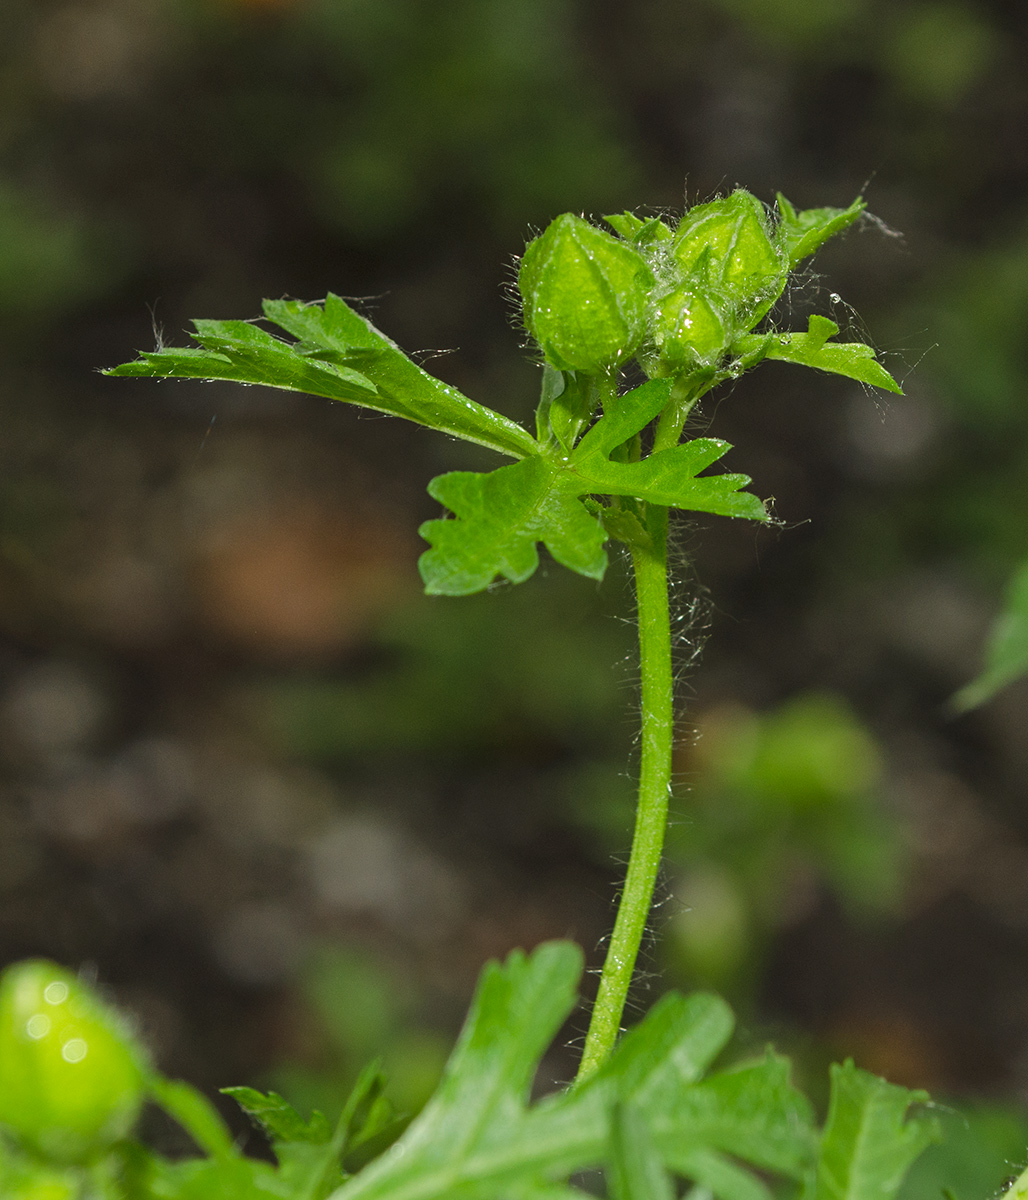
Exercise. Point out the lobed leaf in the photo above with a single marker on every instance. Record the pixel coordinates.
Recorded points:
(468, 1133)
(501, 516)
(668, 477)
(801, 233)
(870, 1138)
(479, 1138)
(751, 1111)
(813, 349)
(307, 1151)
(279, 1120)
(311, 1154)
(650, 1114)
(339, 355)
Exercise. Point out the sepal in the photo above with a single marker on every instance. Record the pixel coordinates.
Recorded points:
(801, 233)
(745, 264)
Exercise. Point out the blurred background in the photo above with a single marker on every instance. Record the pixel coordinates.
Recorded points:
(282, 805)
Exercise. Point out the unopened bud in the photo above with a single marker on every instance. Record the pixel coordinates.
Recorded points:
(71, 1080)
(585, 296)
(687, 332)
(743, 262)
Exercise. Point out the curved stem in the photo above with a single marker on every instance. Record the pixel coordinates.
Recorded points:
(651, 586)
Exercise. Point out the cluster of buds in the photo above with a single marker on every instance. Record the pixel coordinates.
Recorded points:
(674, 298)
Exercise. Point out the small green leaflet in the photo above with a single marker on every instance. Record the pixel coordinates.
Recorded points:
(226, 1173)
(870, 1138)
(307, 1151)
(479, 1137)
(279, 1120)
(803, 232)
(311, 1153)
(500, 516)
(313, 1157)
(339, 355)
(813, 349)
(666, 478)
(1006, 656)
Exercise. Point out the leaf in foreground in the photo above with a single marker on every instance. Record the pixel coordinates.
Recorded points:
(501, 516)
(310, 1153)
(479, 1137)
(636, 1171)
(871, 1138)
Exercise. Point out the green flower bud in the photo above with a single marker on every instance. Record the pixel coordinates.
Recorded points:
(743, 261)
(585, 296)
(71, 1080)
(687, 332)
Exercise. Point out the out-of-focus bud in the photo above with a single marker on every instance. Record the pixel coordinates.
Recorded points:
(585, 294)
(71, 1079)
(744, 264)
(687, 332)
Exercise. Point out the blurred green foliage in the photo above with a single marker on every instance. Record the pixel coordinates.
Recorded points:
(534, 665)
(51, 261)
(982, 1148)
(779, 805)
(362, 1012)
(1006, 657)
(371, 120)
(491, 101)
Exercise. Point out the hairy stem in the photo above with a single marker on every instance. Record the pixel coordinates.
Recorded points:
(684, 397)
(651, 585)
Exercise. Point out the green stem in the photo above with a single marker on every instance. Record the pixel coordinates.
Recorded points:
(684, 397)
(651, 585)
(607, 389)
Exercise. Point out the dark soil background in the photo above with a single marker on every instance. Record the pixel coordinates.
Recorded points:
(282, 805)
